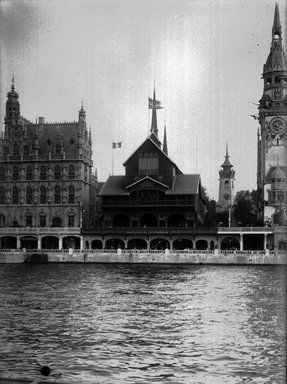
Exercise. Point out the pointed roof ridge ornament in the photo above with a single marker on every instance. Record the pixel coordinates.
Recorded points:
(164, 147)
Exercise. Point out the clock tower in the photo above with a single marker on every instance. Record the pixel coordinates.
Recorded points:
(226, 185)
(272, 135)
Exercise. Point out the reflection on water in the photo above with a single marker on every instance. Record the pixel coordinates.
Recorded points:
(143, 324)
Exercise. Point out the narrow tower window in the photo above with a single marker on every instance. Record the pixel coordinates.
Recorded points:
(71, 197)
(2, 195)
(43, 195)
(43, 173)
(29, 195)
(15, 195)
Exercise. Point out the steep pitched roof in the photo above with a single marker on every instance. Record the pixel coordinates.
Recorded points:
(185, 185)
(157, 147)
(114, 186)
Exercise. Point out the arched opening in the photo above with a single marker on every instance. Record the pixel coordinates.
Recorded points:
(176, 220)
(115, 244)
(71, 242)
(137, 244)
(159, 244)
(97, 244)
(230, 243)
(148, 220)
(57, 222)
(29, 242)
(282, 245)
(121, 220)
(201, 244)
(8, 242)
(181, 244)
(50, 242)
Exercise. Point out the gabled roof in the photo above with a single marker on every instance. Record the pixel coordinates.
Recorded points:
(157, 147)
(270, 173)
(114, 186)
(147, 178)
(185, 185)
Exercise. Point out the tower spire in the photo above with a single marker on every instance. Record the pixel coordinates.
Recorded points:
(276, 29)
(164, 147)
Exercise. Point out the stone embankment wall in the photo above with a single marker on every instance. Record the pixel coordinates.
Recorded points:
(135, 257)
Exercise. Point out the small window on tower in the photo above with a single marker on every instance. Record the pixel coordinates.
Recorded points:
(277, 80)
(268, 81)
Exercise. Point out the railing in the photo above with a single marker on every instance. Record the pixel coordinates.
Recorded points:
(39, 230)
(148, 202)
(152, 251)
(245, 229)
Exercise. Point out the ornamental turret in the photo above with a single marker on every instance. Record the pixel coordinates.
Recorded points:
(12, 112)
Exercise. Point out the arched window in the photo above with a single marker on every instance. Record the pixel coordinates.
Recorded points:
(16, 149)
(57, 172)
(15, 173)
(2, 195)
(43, 195)
(58, 149)
(26, 150)
(15, 195)
(71, 172)
(43, 173)
(2, 173)
(29, 195)
(42, 220)
(71, 197)
(6, 151)
(57, 195)
(29, 173)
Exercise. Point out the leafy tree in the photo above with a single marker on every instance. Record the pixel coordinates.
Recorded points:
(245, 208)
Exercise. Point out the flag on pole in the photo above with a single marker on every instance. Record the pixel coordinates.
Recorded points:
(117, 145)
(154, 104)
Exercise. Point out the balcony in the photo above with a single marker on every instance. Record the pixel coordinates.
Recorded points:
(141, 203)
(149, 231)
(15, 231)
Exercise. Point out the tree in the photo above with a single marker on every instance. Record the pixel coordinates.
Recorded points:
(245, 208)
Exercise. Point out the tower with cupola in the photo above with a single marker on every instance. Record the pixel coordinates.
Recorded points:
(272, 135)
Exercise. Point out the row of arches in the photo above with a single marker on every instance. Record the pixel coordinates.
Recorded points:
(43, 195)
(149, 220)
(56, 221)
(43, 175)
(46, 242)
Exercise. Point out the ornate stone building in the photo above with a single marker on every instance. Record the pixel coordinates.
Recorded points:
(272, 135)
(45, 179)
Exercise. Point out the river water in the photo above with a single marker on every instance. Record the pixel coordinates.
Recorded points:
(143, 323)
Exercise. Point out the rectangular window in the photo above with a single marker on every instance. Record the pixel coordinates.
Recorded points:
(71, 221)
(29, 221)
(42, 221)
(149, 164)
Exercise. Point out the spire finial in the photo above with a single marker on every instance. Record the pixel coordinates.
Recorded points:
(12, 87)
(276, 29)
(226, 156)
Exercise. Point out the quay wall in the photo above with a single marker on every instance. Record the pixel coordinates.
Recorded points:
(145, 257)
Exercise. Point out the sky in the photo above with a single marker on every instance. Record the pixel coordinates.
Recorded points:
(204, 57)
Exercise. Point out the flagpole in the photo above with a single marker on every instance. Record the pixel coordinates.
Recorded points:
(112, 158)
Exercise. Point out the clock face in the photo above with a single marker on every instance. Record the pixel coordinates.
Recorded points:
(278, 126)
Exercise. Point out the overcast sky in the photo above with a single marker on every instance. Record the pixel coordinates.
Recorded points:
(205, 57)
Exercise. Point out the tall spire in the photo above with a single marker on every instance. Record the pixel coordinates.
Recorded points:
(226, 163)
(276, 29)
(164, 147)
